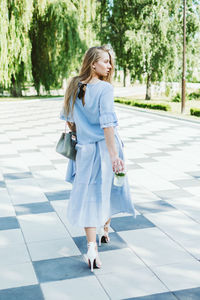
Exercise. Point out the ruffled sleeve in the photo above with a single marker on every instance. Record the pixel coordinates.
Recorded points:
(108, 117)
(65, 117)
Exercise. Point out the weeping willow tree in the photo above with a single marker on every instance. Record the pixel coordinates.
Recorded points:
(60, 34)
(86, 10)
(15, 46)
(43, 41)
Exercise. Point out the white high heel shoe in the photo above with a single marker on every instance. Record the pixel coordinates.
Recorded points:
(92, 255)
(103, 235)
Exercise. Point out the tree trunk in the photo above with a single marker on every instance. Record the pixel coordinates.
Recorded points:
(148, 87)
(15, 90)
(124, 79)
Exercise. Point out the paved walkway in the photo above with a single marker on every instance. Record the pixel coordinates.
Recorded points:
(155, 257)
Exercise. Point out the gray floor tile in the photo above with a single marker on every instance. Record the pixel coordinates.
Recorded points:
(9, 223)
(160, 296)
(133, 166)
(157, 154)
(3, 156)
(170, 149)
(47, 146)
(182, 145)
(153, 207)
(129, 223)
(116, 242)
(169, 194)
(33, 208)
(40, 168)
(19, 139)
(60, 195)
(13, 176)
(195, 174)
(30, 292)
(4, 143)
(183, 183)
(2, 184)
(28, 150)
(59, 161)
(61, 268)
(189, 294)
(144, 160)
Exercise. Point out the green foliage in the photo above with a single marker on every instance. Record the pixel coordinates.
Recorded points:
(167, 90)
(195, 112)
(164, 107)
(176, 98)
(158, 106)
(194, 95)
(15, 65)
(43, 41)
(56, 45)
(147, 37)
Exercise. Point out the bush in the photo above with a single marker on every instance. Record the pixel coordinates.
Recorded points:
(177, 98)
(195, 112)
(194, 95)
(159, 106)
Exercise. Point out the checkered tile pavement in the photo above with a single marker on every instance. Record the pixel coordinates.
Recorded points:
(154, 257)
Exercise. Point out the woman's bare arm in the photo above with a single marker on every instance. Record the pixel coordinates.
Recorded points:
(117, 163)
(72, 126)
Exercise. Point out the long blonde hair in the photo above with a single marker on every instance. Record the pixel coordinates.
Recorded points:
(92, 55)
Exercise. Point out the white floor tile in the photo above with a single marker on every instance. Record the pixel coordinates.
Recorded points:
(154, 247)
(60, 207)
(13, 165)
(189, 207)
(176, 224)
(41, 227)
(13, 254)
(17, 275)
(6, 207)
(11, 237)
(118, 261)
(131, 283)
(192, 246)
(80, 288)
(185, 275)
(149, 180)
(53, 249)
(25, 191)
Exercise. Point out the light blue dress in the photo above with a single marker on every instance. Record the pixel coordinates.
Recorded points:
(94, 198)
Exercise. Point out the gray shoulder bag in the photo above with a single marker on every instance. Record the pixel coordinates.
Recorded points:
(66, 144)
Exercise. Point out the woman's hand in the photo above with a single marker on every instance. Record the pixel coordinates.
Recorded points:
(72, 126)
(117, 164)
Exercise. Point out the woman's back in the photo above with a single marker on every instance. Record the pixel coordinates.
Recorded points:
(96, 114)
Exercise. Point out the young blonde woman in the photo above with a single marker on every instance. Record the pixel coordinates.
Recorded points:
(89, 110)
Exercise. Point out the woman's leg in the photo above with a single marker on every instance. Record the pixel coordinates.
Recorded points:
(91, 237)
(108, 222)
(90, 234)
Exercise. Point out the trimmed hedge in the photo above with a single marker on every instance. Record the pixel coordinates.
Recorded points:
(194, 96)
(159, 106)
(195, 112)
